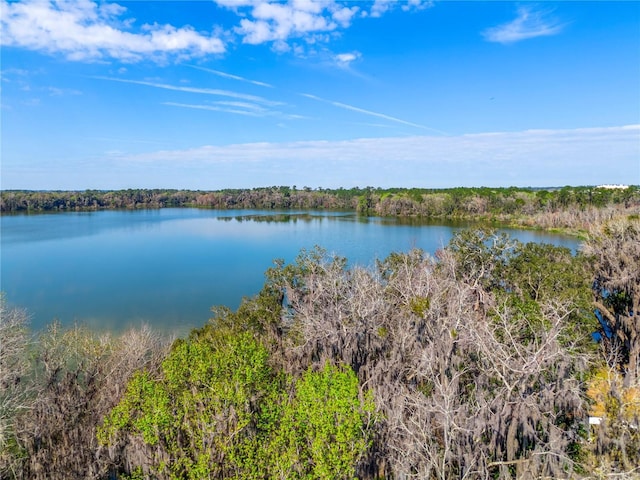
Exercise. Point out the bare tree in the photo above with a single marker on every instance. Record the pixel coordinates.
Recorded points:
(76, 378)
(470, 380)
(614, 248)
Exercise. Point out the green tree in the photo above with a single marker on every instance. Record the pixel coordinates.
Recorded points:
(199, 419)
(219, 410)
(325, 429)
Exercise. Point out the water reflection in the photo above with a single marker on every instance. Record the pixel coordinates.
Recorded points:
(116, 269)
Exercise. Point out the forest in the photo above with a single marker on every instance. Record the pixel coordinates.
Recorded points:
(489, 359)
(569, 208)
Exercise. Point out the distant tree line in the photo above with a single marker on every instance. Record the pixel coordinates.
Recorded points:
(483, 361)
(53, 201)
(449, 203)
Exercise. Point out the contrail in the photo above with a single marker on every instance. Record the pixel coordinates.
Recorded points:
(234, 77)
(373, 114)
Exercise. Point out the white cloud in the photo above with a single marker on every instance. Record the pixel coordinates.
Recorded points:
(343, 60)
(90, 30)
(416, 148)
(236, 4)
(307, 6)
(204, 91)
(417, 4)
(529, 23)
(280, 46)
(526, 158)
(344, 15)
(380, 7)
(279, 22)
(87, 30)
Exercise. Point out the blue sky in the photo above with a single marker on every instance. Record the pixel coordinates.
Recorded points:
(328, 93)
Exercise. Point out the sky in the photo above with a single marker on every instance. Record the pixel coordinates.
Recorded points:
(220, 94)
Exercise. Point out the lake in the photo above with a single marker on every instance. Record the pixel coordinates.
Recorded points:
(113, 269)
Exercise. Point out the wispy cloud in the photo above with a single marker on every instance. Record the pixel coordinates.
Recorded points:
(529, 23)
(378, 125)
(371, 113)
(245, 105)
(204, 91)
(215, 108)
(380, 7)
(88, 30)
(238, 108)
(526, 158)
(19, 72)
(59, 92)
(492, 147)
(124, 140)
(233, 77)
(32, 102)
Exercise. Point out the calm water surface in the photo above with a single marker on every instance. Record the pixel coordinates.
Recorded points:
(115, 269)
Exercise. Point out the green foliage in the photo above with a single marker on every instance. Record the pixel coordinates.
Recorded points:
(542, 274)
(420, 305)
(527, 277)
(219, 410)
(136, 474)
(569, 207)
(201, 411)
(481, 256)
(325, 429)
(145, 395)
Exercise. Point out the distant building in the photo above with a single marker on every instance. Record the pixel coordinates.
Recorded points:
(613, 187)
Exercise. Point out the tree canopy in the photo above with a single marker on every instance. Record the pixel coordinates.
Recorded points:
(484, 360)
